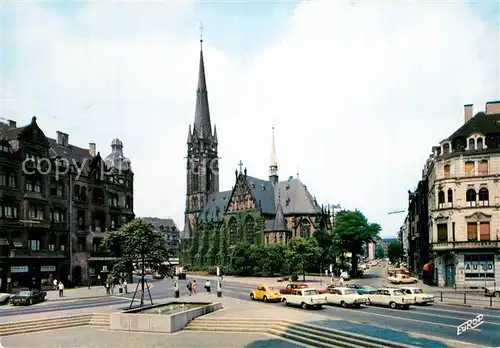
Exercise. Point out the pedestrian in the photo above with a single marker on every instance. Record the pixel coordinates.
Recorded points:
(113, 287)
(107, 289)
(61, 289)
(55, 284)
(190, 287)
(193, 287)
(207, 286)
(125, 286)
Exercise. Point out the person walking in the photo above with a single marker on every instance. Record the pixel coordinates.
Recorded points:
(107, 288)
(207, 286)
(125, 286)
(193, 287)
(190, 287)
(60, 286)
(55, 284)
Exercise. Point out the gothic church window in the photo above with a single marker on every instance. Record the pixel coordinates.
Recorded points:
(249, 229)
(233, 233)
(305, 228)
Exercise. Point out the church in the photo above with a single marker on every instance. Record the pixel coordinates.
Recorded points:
(256, 211)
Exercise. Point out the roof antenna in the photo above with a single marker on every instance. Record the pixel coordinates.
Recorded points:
(201, 33)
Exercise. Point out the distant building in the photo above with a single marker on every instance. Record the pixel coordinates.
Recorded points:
(169, 230)
(371, 251)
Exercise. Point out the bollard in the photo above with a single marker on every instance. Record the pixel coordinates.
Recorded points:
(491, 301)
(219, 288)
(176, 287)
(441, 296)
(465, 298)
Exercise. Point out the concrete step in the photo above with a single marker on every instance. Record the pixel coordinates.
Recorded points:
(45, 320)
(224, 329)
(301, 339)
(41, 327)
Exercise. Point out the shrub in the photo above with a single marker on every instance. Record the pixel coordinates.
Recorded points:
(295, 277)
(286, 279)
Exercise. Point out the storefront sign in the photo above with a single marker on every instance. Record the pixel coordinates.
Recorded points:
(479, 267)
(19, 269)
(102, 258)
(104, 268)
(47, 268)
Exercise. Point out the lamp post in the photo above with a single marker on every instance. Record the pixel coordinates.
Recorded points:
(219, 285)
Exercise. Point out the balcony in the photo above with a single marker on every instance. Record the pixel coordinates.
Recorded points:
(97, 232)
(100, 256)
(486, 244)
(39, 254)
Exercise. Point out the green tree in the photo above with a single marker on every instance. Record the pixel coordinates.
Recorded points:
(241, 263)
(395, 252)
(379, 252)
(302, 251)
(136, 241)
(329, 251)
(351, 231)
(274, 260)
(213, 252)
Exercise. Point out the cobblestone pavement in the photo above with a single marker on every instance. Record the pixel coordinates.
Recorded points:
(86, 337)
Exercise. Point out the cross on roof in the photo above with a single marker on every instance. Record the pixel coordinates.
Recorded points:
(240, 165)
(201, 31)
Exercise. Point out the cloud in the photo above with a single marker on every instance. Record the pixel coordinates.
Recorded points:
(358, 92)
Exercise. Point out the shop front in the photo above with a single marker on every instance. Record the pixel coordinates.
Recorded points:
(35, 272)
(99, 267)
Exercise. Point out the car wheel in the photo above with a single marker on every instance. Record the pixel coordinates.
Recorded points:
(497, 294)
(393, 305)
(343, 304)
(304, 305)
(415, 281)
(265, 298)
(368, 302)
(252, 297)
(284, 302)
(30, 302)
(357, 305)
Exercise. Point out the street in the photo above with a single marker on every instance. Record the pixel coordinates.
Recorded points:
(426, 322)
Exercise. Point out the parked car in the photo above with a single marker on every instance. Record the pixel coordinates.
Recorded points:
(344, 275)
(362, 289)
(402, 279)
(28, 297)
(492, 291)
(345, 297)
(420, 296)
(265, 293)
(305, 298)
(4, 298)
(292, 286)
(394, 298)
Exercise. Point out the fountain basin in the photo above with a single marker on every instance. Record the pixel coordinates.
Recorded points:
(165, 317)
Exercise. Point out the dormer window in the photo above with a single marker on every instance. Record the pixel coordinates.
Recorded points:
(446, 149)
(472, 144)
(479, 143)
(476, 142)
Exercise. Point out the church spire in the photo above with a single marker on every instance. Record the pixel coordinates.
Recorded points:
(273, 168)
(202, 124)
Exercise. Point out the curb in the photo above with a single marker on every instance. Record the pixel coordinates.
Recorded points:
(466, 306)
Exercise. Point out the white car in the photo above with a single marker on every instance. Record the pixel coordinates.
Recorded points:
(4, 298)
(420, 296)
(305, 298)
(402, 279)
(394, 298)
(344, 275)
(345, 297)
(492, 291)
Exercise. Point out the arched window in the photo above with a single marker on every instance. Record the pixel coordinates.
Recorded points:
(83, 193)
(472, 144)
(233, 232)
(484, 196)
(470, 197)
(483, 168)
(469, 168)
(450, 196)
(440, 197)
(249, 229)
(76, 192)
(447, 171)
(480, 143)
(305, 228)
(446, 149)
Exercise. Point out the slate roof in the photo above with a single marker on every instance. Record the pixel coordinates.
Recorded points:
(215, 206)
(263, 193)
(161, 224)
(279, 223)
(480, 123)
(295, 199)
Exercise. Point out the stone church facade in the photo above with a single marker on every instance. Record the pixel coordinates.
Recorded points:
(256, 211)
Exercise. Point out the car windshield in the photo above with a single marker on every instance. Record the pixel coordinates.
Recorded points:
(271, 288)
(398, 292)
(310, 292)
(350, 292)
(24, 293)
(367, 287)
(417, 291)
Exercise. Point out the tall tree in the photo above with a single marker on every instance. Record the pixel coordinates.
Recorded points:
(301, 252)
(136, 241)
(379, 252)
(395, 252)
(328, 250)
(351, 231)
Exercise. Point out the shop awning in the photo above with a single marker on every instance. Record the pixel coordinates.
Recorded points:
(428, 267)
(4, 241)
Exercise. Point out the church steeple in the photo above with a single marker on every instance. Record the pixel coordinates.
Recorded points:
(202, 124)
(273, 168)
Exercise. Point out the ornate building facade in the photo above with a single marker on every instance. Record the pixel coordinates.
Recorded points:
(255, 210)
(464, 202)
(57, 201)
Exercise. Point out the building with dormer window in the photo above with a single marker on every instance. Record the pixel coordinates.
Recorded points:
(464, 202)
(253, 211)
(57, 201)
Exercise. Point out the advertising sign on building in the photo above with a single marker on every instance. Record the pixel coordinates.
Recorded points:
(479, 267)
(47, 268)
(19, 269)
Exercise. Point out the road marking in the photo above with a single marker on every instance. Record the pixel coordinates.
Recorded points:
(408, 319)
(460, 312)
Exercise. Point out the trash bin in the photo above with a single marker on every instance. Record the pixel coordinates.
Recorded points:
(120, 290)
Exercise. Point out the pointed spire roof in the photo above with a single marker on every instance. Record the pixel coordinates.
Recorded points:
(274, 161)
(202, 124)
(189, 135)
(216, 141)
(279, 223)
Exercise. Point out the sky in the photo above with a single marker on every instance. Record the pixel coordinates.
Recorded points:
(358, 91)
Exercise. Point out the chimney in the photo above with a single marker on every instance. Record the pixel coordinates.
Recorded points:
(92, 149)
(62, 138)
(493, 107)
(468, 112)
(12, 124)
